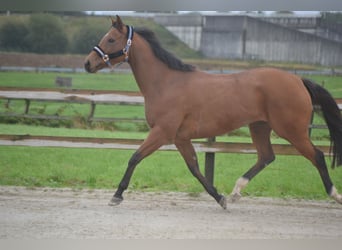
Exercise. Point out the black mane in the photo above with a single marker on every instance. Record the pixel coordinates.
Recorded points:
(165, 56)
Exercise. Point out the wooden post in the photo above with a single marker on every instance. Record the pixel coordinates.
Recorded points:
(210, 163)
(7, 104)
(27, 106)
(92, 111)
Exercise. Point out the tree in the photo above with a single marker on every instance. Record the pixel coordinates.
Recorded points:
(13, 36)
(87, 37)
(46, 34)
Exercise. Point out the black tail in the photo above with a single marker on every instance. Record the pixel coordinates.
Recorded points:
(332, 117)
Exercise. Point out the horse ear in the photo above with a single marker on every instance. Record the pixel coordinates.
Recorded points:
(118, 23)
(113, 21)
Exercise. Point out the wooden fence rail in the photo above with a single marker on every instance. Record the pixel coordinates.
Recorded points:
(209, 147)
(116, 143)
(90, 97)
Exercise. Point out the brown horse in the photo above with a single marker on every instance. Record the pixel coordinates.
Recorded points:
(182, 103)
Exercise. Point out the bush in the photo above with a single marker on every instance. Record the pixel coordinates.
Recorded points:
(87, 37)
(46, 34)
(13, 35)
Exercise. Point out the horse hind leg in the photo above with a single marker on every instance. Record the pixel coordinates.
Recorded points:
(322, 169)
(308, 150)
(299, 138)
(260, 133)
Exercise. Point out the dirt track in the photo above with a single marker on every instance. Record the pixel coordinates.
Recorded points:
(64, 213)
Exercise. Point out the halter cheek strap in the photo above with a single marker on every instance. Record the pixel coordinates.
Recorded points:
(107, 57)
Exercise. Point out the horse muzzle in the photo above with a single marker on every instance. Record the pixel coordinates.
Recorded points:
(91, 68)
(87, 67)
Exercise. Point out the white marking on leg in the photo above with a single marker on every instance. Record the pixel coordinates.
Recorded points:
(335, 195)
(239, 185)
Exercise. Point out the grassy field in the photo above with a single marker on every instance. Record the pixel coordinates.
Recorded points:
(163, 171)
(110, 81)
(288, 176)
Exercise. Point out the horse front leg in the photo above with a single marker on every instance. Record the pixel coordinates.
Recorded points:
(188, 152)
(153, 142)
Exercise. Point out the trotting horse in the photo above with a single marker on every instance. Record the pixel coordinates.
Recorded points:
(183, 103)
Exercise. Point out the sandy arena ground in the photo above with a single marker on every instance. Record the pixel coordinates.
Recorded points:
(45, 213)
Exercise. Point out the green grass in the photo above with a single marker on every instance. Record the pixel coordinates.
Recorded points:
(116, 81)
(109, 81)
(332, 83)
(288, 176)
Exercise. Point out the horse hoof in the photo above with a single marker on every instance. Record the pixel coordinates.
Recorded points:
(335, 195)
(115, 201)
(223, 202)
(235, 197)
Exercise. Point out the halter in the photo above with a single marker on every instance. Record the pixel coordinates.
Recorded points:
(107, 57)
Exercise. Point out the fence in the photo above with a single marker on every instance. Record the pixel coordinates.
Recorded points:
(209, 147)
(70, 96)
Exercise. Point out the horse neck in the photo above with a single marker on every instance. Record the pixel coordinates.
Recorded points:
(148, 70)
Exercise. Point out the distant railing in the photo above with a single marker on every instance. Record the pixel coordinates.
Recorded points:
(328, 71)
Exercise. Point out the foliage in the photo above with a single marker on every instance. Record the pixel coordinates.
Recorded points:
(13, 36)
(42, 33)
(87, 37)
(46, 34)
(56, 33)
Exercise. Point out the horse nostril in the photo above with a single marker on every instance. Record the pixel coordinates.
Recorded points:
(87, 66)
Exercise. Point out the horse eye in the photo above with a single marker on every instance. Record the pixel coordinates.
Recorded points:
(111, 40)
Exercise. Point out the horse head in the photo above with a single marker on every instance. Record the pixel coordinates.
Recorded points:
(112, 49)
